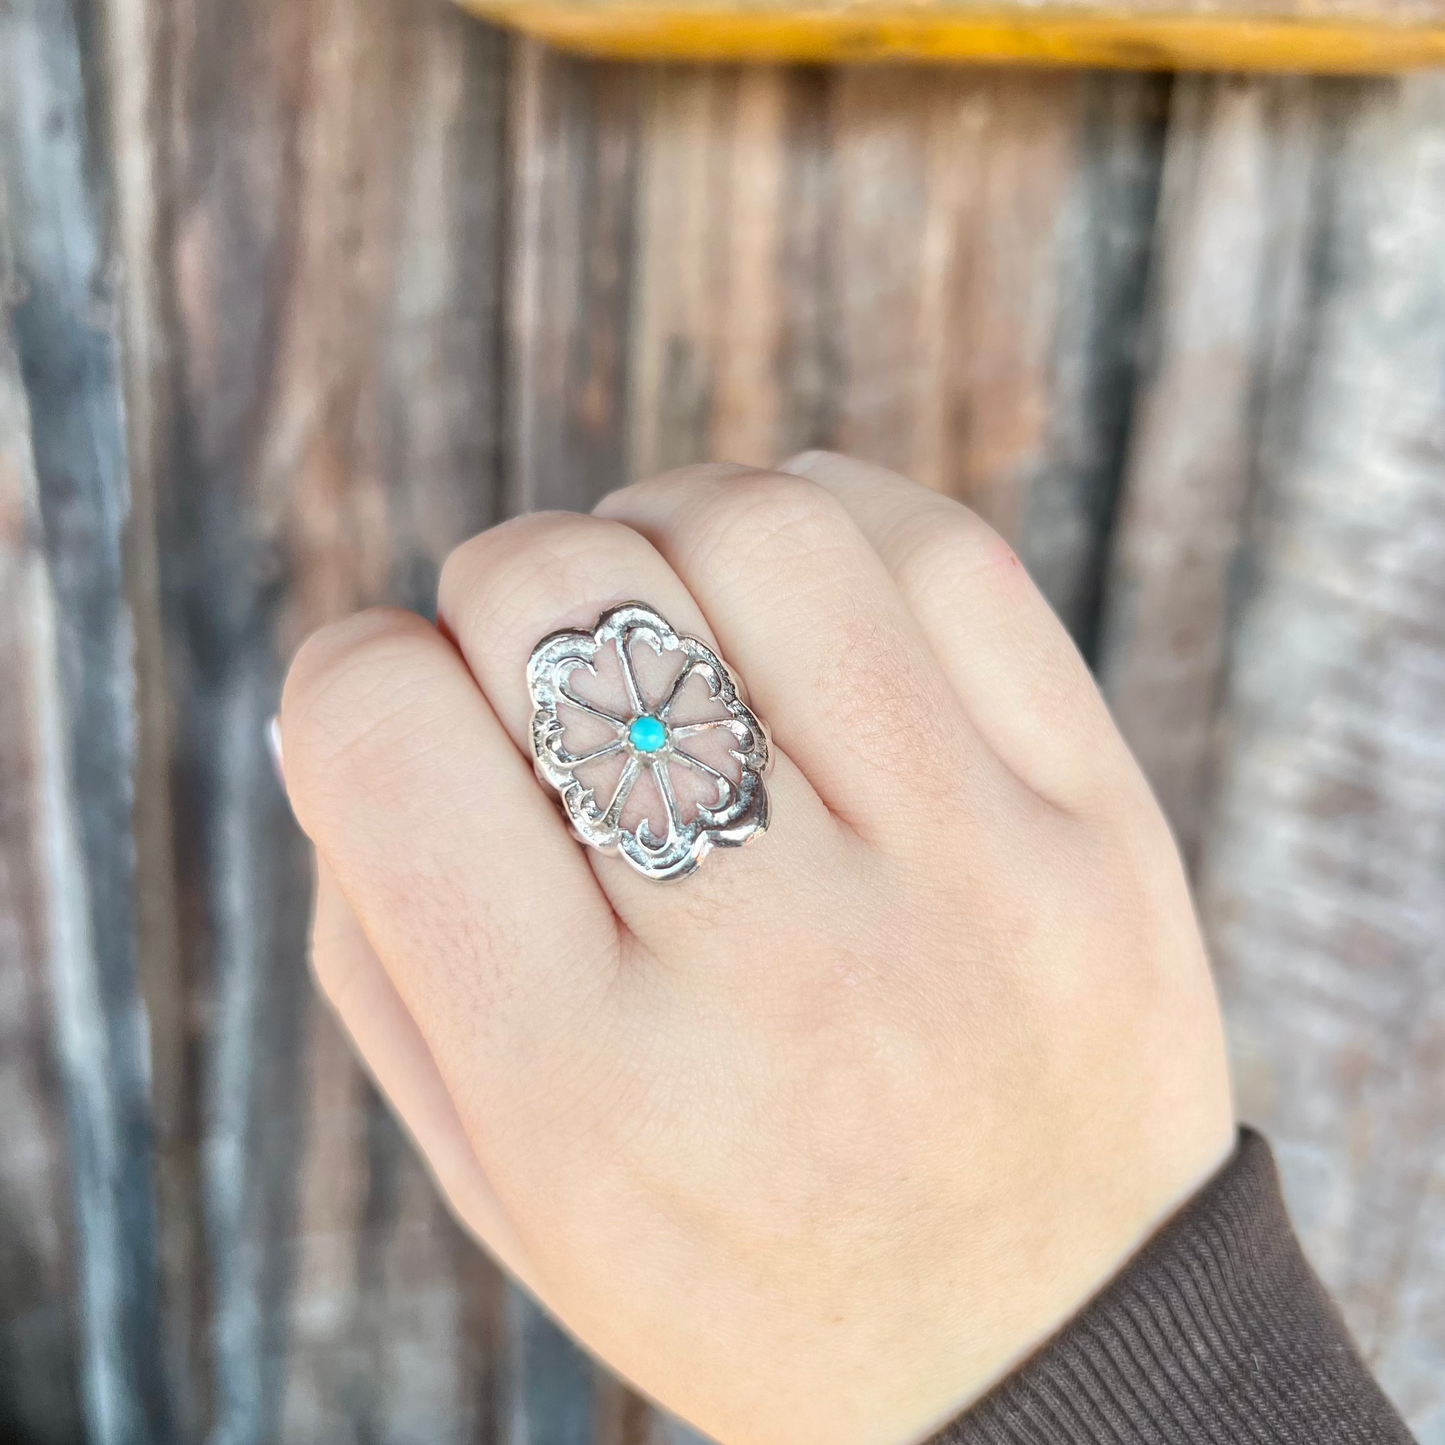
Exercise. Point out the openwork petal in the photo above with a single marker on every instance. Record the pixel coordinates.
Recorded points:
(741, 807)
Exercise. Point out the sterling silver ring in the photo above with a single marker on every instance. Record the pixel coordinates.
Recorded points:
(650, 740)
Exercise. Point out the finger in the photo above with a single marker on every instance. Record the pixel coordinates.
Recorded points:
(435, 829)
(356, 985)
(503, 591)
(1003, 650)
(804, 606)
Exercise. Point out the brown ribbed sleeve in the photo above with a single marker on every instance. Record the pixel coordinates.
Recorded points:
(1216, 1333)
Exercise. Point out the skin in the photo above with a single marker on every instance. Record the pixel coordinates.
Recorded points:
(818, 1143)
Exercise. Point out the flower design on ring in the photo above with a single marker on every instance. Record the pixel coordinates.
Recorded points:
(704, 773)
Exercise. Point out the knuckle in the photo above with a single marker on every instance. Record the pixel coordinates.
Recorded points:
(350, 684)
(940, 552)
(509, 546)
(335, 655)
(504, 572)
(770, 517)
(680, 481)
(819, 463)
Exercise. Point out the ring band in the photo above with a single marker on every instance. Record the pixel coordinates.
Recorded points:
(649, 742)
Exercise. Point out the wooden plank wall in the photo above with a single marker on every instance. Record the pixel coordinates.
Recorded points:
(345, 280)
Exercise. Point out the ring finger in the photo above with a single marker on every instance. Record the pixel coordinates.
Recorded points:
(806, 608)
(506, 589)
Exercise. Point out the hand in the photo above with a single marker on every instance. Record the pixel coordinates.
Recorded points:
(815, 1144)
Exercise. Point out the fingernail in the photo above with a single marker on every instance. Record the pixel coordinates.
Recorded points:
(800, 464)
(273, 746)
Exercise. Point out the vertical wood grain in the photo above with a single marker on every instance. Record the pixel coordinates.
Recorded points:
(1322, 871)
(572, 154)
(327, 219)
(127, 67)
(939, 271)
(39, 1363)
(948, 192)
(1107, 235)
(1233, 228)
(62, 324)
(990, 237)
(726, 342)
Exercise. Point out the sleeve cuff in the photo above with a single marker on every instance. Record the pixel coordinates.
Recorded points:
(1217, 1332)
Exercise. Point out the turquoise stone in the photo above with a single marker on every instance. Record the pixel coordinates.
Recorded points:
(647, 734)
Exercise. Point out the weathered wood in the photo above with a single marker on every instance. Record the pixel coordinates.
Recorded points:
(1322, 874)
(1294, 313)
(940, 272)
(571, 183)
(727, 347)
(1103, 257)
(62, 324)
(164, 971)
(1233, 227)
(39, 1364)
(327, 290)
(991, 240)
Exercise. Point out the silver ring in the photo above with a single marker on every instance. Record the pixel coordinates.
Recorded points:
(647, 741)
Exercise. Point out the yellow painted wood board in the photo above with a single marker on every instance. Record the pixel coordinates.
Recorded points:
(1349, 38)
